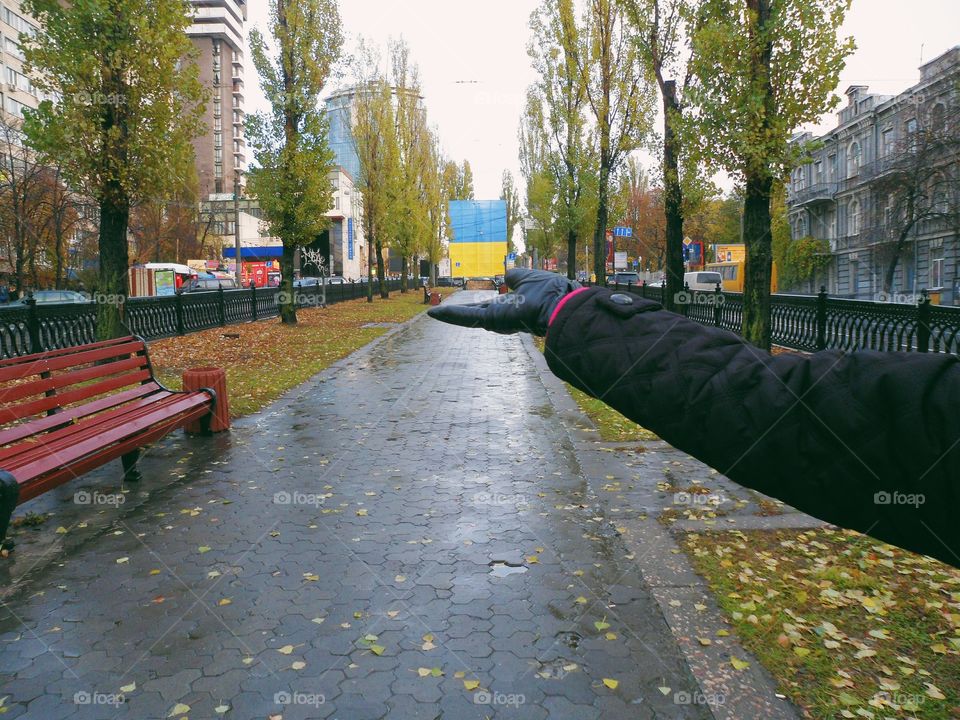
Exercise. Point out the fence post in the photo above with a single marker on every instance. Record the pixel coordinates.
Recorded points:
(716, 305)
(822, 318)
(923, 324)
(33, 323)
(253, 300)
(178, 304)
(689, 296)
(221, 307)
(643, 289)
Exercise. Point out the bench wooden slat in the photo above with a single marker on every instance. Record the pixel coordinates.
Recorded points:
(98, 458)
(43, 363)
(26, 429)
(36, 407)
(72, 454)
(51, 443)
(72, 377)
(72, 350)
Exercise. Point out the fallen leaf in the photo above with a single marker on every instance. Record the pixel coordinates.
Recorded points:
(285, 650)
(178, 709)
(471, 684)
(298, 665)
(221, 709)
(739, 664)
(377, 649)
(121, 561)
(203, 548)
(224, 601)
(705, 641)
(611, 683)
(664, 690)
(129, 688)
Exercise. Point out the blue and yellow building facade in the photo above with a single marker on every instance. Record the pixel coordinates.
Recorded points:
(478, 242)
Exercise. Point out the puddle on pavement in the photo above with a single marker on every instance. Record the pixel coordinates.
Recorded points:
(556, 669)
(570, 639)
(500, 568)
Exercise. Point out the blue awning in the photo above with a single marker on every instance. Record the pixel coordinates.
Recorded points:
(264, 251)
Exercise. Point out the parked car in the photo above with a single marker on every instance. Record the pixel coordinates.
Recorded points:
(207, 284)
(53, 297)
(704, 280)
(306, 282)
(336, 280)
(624, 278)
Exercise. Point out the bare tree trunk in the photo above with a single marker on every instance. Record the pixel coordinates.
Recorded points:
(370, 245)
(114, 216)
(756, 237)
(404, 264)
(600, 234)
(288, 306)
(571, 254)
(381, 276)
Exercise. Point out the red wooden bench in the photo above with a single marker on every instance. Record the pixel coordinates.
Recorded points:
(65, 412)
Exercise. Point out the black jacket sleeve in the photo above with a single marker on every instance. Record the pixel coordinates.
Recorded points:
(867, 440)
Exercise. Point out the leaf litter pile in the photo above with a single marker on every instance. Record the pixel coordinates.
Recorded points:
(849, 626)
(265, 359)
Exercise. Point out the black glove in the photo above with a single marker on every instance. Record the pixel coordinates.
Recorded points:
(527, 309)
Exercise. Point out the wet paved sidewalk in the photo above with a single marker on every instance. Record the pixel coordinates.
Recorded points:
(409, 535)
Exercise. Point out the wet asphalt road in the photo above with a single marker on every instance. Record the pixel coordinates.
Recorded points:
(407, 536)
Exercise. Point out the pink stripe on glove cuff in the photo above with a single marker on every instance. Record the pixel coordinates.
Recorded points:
(563, 300)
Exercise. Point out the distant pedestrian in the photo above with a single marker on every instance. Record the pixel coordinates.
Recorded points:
(4, 293)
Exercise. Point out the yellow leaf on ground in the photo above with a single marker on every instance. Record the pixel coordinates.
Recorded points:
(178, 709)
(471, 684)
(611, 683)
(285, 650)
(739, 664)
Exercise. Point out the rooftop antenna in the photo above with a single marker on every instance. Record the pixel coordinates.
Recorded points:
(921, 53)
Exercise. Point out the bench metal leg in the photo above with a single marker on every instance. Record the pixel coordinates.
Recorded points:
(9, 493)
(131, 473)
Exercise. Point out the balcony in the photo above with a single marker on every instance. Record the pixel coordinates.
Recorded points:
(818, 193)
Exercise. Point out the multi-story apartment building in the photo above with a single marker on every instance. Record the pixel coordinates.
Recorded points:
(840, 196)
(16, 89)
(217, 34)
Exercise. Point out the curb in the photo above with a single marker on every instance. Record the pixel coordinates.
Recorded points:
(750, 693)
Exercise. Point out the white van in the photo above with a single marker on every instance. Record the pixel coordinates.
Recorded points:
(703, 280)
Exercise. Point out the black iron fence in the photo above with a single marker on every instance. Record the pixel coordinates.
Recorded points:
(36, 327)
(819, 322)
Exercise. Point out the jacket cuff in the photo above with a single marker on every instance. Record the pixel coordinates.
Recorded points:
(563, 301)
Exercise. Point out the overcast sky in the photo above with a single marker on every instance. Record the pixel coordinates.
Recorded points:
(475, 69)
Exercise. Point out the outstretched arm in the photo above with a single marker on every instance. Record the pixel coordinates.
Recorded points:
(868, 440)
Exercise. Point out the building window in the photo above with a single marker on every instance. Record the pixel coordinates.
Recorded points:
(853, 159)
(13, 47)
(818, 172)
(936, 272)
(853, 218)
(938, 117)
(887, 142)
(911, 126)
(831, 168)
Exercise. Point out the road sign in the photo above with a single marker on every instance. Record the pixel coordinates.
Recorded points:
(619, 260)
(512, 256)
(636, 263)
(623, 231)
